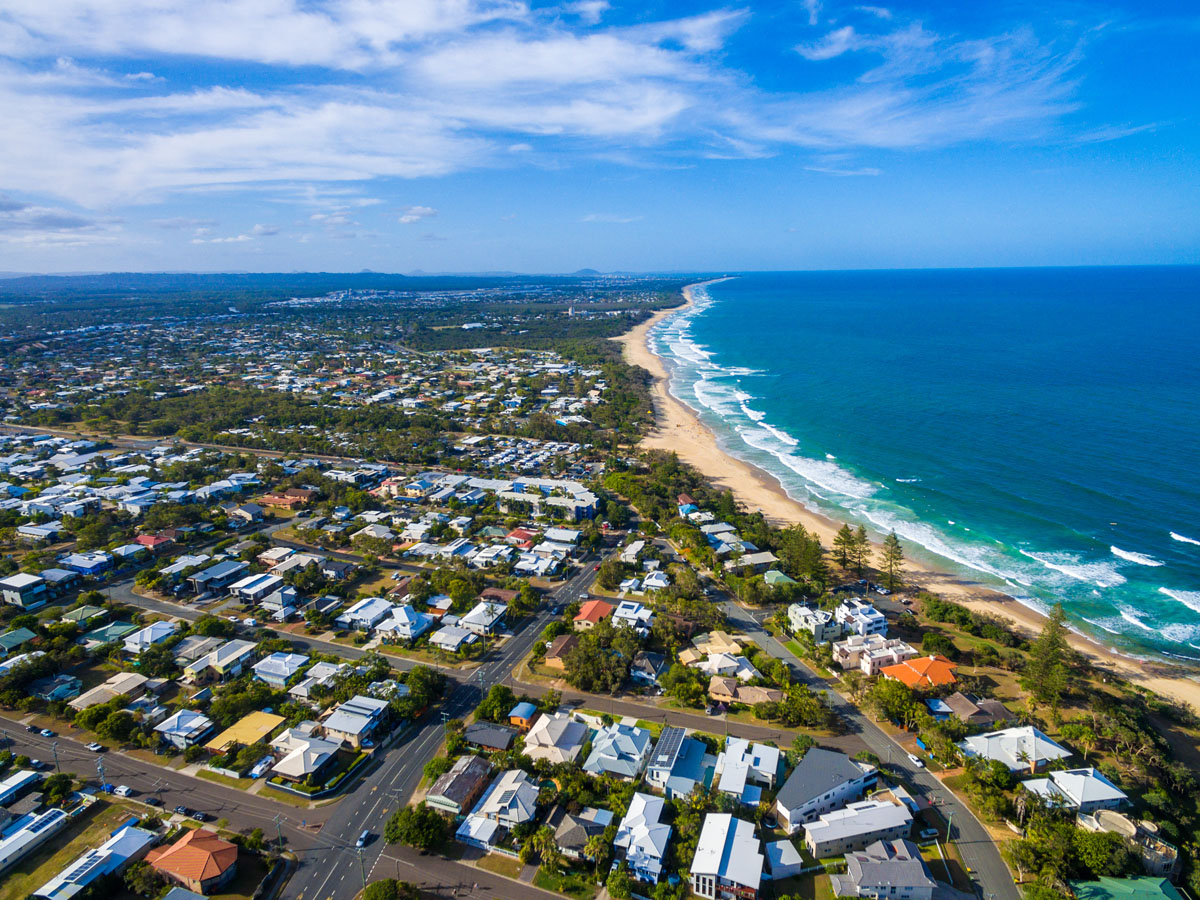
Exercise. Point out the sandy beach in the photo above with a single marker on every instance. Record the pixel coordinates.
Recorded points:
(677, 428)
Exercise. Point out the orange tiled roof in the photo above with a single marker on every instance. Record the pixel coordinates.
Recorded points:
(594, 611)
(198, 856)
(928, 671)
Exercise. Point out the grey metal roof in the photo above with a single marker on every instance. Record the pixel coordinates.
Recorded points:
(818, 772)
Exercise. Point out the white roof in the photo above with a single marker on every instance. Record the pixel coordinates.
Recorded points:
(728, 849)
(1017, 748)
(864, 817)
(1076, 786)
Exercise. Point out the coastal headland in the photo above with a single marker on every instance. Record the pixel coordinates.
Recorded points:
(678, 429)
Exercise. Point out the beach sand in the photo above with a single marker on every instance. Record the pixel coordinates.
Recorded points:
(678, 429)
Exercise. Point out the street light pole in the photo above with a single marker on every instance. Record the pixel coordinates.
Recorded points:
(362, 867)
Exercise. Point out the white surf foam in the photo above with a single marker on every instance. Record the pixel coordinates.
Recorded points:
(1190, 599)
(1101, 574)
(1128, 615)
(823, 474)
(1100, 624)
(1140, 558)
(1185, 540)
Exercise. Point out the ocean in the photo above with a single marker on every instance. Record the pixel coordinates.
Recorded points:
(1034, 430)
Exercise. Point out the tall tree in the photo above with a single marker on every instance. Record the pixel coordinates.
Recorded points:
(893, 560)
(1046, 672)
(843, 546)
(861, 554)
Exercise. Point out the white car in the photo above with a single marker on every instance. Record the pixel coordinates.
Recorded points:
(916, 760)
(123, 791)
(95, 747)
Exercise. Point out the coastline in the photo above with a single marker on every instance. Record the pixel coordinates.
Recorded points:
(678, 429)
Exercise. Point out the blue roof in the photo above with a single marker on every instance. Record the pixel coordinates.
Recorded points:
(523, 710)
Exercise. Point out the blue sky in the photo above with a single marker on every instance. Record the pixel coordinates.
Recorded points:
(476, 135)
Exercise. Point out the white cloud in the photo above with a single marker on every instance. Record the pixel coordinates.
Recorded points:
(413, 214)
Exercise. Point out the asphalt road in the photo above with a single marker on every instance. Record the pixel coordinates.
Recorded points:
(974, 844)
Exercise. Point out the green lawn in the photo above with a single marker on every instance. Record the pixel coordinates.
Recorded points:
(655, 728)
(241, 784)
(251, 870)
(501, 865)
(806, 887)
(574, 884)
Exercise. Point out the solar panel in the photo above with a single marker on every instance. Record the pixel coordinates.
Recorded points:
(668, 744)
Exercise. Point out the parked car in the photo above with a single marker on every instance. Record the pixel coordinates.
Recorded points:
(926, 833)
(46, 732)
(124, 791)
(200, 816)
(95, 747)
(37, 765)
(916, 760)
(183, 810)
(153, 801)
(32, 729)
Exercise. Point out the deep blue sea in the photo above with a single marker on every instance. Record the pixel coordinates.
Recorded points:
(1036, 430)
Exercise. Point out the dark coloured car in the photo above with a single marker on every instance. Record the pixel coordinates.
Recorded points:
(183, 811)
(152, 801)
(201, 816)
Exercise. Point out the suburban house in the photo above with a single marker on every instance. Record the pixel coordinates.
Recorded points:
(522, 715)
(56, 687)
(819, 623)
(404, 625)
(591, 613)
(24, 590)
(556, 738)
(246, 731)
(484, 618)
(194, 646)
(279, 668)
(643, 837)
(856, 827)
(487, 736)
(184, 728)
(556, 653)
(320, 675)
(869, 653)
(646, 667)
(452, 638)
(631, 614)
(620, 750)
(678, 763)
(928, 671)
(571, 831)
(123, 684)
(365, 614)
(744, 769)
(355, 720)
(1021, 749)
(1084, 790)
(971, 709)
(885, 869)
(860, 617)
(822, 781)
(458, 789)
(218, 576)
(145, 638)
(125, 847)
(227, 661)
(12, 640)
(301, 755)
(200, 861)
(728, 862)
(730, 690)
(511, 800)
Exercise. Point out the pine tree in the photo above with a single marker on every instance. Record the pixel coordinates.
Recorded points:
(843, 546)
(1046, 672)
(861, 555)
(893, 560)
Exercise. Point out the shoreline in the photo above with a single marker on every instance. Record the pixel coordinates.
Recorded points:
(678, 429)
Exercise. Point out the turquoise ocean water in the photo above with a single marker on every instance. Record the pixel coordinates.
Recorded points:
(1036, 430)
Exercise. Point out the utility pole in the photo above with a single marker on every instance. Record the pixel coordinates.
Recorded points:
(362, 868)
(100, 770)
(54, 750)
(279, 829)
